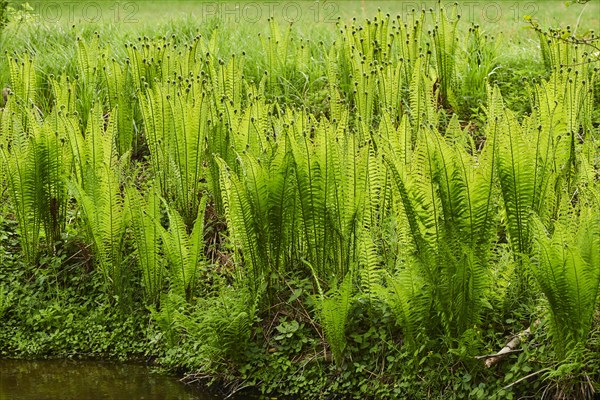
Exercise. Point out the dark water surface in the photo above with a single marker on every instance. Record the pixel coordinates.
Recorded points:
(89, 380)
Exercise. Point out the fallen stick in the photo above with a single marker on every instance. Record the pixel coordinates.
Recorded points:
(511, 347)
(484, 357)
(525, 378)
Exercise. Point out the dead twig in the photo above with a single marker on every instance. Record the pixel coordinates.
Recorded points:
(510, 347)
(484, 357)
(526, 377)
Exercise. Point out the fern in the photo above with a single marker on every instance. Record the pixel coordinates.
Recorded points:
(88, 70)
(331, 179)
(333, 312)
(65, 93)
(369, 262)
(51, 160)
(244, 228)
(120, 98)
(400, 293)
(184, 252)
(372, 213)
(223, 324)
(566, 268)
(475, 64)
(98, 194)
(525, 184)
(449, 215)
(175, 130)
(170, 317)
(445, 44)
(23, 82)
(422, 104)
(37, 173)
(537, 167)
(144, 215)
(312, 202)
(104, 221)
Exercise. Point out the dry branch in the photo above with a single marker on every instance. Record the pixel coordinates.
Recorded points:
(511, 346)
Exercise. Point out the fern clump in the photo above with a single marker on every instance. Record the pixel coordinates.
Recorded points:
(447, 203)
(333, 314)
(567, 268)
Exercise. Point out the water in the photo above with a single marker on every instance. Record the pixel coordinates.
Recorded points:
(89, 380)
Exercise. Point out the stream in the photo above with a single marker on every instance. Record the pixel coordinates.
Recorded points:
(89, 380)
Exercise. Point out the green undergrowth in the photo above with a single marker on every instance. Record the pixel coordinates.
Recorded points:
(59, 310)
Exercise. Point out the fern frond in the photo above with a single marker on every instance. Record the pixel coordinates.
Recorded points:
(185, 252)
(238, 211)
(569, 282)
(334, 310)
(144, 215)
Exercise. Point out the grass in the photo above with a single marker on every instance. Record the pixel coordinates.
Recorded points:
(50, 30)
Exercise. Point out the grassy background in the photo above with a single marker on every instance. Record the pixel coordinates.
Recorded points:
(50, 29)
(499, 16)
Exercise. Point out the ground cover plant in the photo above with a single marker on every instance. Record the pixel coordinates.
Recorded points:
(372, 209)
